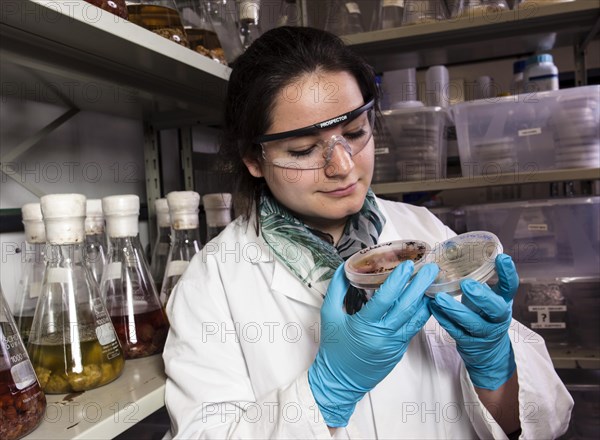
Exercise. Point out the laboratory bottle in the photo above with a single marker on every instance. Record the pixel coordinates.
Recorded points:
(540, 74)
(183, 209)
(248, 12)
(291, 13)
(199, 29)
(160, 250)
(116, 7)
(96, 244)
(424, 11)
(218, 213)
(32, 269)
(390, 14)
(517, 83)
(160, 17)
(343, 17)
(127, 287)
(224, 18)
(22, 401)
(72, 345)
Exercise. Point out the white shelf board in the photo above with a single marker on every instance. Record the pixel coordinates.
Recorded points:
(107, 411)
(62, 42)
(487, 180)
(473, 38)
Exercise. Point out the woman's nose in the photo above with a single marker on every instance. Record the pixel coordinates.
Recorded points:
(340, 163)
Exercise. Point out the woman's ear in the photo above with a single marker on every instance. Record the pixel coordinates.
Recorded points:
(254, 167)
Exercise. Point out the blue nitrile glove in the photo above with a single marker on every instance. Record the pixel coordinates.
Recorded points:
(357, 351)
(479, 324)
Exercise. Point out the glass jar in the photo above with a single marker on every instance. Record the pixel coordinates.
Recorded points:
(117, 7)
(160, 17)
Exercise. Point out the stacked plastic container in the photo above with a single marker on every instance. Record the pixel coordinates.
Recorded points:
(529, 132)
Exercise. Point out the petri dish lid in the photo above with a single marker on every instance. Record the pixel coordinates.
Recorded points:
(469, 255)
(369, 267)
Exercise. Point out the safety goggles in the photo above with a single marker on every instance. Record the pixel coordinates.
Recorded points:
(303, 149)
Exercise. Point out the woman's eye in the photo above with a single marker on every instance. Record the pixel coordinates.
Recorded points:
(304, 152)
(355, 134)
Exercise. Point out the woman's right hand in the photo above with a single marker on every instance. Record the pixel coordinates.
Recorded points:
(357, 351)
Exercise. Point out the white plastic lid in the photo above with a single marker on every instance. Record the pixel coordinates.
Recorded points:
(35, 231)
(218, 209)
(121, 212)
(470, 255)
(370, 267)
(64, 216)
(183, 209)
(162, 213)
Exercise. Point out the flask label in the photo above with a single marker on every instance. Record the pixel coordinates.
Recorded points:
(35, 289)
(530, 132)
(384, 150)
(23, 375)
(58, 275)
(112, 271)
(105, 334)
(176, 268)
(352, 8)
(398, 3)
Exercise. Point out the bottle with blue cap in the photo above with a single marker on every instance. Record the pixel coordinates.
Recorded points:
(516, 86)
(540, 74)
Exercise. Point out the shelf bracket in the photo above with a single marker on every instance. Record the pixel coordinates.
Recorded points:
(152, 169)
(186, 153)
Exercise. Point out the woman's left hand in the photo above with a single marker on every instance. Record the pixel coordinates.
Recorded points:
(479, 324)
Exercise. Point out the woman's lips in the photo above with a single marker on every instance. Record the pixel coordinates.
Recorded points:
(342, 192)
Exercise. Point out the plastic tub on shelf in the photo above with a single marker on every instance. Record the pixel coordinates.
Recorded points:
(419, 142)
(529, 132)
(555, 236)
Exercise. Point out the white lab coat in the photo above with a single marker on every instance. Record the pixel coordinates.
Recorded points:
(244, 331)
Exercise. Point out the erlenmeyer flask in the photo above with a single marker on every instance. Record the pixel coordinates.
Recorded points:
(72, 344)
(291, 14)
(199, 30)
(127, 286)
(248, 13)
(34, 266)
(160, 17)
(343, 17)
(183, 209)
(218, 213)
(96, 244)
(223, 16)
(117, 7)
(160, 250)
(22, 402)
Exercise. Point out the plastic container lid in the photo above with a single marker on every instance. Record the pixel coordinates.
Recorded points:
(543, 58)
(469, 255)
(64, 217)
(519, 66)
(369, 267)
(217, 201)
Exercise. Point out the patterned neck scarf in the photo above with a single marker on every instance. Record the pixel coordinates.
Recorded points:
(308, 254)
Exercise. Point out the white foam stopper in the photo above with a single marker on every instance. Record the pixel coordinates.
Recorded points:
(183, 208)
(121, 213)
(94, 217)
(162, 213)
(64, 217)
(218, 209)
(35, 231)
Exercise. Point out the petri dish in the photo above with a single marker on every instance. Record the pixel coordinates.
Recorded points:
(370, 267)
(469, 255)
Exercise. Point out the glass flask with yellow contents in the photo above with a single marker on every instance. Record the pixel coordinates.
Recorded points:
(72, 344)
(160, 17)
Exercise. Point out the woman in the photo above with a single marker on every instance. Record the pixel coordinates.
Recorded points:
(267, 340)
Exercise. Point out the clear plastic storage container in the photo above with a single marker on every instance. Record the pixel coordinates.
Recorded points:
(529, 132)
(558, 237)
(418, 138)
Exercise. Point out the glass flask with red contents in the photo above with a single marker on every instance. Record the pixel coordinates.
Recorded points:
(185, 223)
(117, 7)
(160, 250)
(33, 268)
(72, 344)
(22, 401)
(96, 244)
(127, 287)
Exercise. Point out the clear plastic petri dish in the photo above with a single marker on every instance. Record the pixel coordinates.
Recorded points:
(470, 255)
(369, 267)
